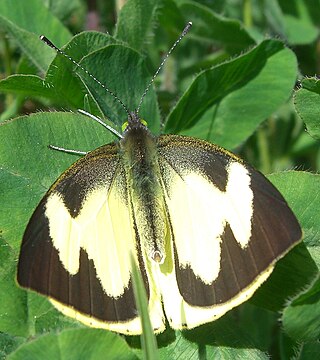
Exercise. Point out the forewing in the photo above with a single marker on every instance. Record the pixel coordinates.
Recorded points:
(229, 225)
(77, 246)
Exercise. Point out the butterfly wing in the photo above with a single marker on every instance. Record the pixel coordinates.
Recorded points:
(229, 225)
(77, 246)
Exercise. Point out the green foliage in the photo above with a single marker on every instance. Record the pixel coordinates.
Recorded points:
(73, 345)
(306, 101)
(226, 82)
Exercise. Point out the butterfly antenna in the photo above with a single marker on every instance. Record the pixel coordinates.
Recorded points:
(184, 32)
(49, 43)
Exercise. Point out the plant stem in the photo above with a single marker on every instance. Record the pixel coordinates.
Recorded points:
(247, 13)
(263, 148)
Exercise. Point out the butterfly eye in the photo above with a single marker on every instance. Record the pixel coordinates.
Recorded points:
(124, 126)
(144, 122)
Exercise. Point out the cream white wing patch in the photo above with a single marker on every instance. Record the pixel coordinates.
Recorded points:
(100, 231)
(199, 212)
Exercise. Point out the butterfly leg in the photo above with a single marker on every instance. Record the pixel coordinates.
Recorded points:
(69, 151)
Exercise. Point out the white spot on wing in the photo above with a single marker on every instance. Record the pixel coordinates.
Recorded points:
(199, 212)
(103, 229)
(238, 203)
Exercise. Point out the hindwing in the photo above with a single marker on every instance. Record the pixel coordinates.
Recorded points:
(229, 225)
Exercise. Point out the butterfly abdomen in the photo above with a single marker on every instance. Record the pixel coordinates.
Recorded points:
(139, 156)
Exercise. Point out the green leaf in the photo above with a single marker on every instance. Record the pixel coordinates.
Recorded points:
(244, 92)
(307, 351)
(8, 344)
(15, 18)
(290, 275)
(220, 339)
(307, 101)
(210, 26)
(28, 85)
(13, 313)
(108, 61)
(180, 347)
(297, 20)
(135, 22)
(125, 64)
(301, 317)
(245, 108)
(62, 77)
(61, 83)
(74, 345)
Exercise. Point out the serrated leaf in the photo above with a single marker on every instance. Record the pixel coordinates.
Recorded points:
(125, 64)
(62, 78)
(28, 85)
(116, 67)
(301, 318)
(307, 101)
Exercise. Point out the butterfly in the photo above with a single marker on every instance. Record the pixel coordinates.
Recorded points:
(204, 228)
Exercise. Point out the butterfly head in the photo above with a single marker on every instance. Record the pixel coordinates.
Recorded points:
(136, 135)
(134, 122)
